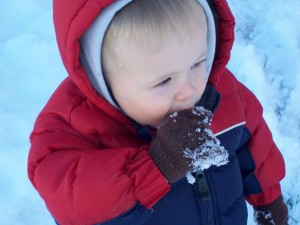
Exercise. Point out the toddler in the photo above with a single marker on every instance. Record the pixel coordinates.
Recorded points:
(150, 127)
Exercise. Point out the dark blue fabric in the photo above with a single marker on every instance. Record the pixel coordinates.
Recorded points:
(143, 132)
(178, 207)
(138, 215)
(220, 200)
(247, 166)
(210, 98)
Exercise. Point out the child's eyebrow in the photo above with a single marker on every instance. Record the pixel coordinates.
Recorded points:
(201, 57)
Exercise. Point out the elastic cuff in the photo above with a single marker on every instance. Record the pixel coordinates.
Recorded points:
(275, 205)
(266, 197)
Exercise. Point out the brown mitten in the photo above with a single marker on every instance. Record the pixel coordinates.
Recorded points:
(275, 213)
(185, 144)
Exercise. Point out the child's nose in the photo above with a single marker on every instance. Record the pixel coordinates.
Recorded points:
(186, 91)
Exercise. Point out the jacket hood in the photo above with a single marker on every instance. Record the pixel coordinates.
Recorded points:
(72, 18)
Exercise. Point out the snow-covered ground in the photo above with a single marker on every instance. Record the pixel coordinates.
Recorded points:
(266, 57)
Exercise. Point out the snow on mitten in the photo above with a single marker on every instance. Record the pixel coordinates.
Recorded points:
(275, 213)
(185, 143)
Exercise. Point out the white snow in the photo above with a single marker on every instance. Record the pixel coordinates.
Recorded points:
(267, 215)
(197, 111)
(173, 116)
(210, 153)
(265, 57)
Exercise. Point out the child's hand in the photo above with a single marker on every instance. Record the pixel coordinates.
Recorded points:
(185, 143)
(275, 213)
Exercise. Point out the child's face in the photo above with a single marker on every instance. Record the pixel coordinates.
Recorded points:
(150, 85)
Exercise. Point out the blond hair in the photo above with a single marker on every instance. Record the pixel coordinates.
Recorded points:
(148, 23)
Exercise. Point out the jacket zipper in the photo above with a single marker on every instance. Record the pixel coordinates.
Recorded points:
(206, 200)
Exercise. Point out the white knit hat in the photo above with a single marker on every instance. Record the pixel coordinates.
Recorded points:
(91, 45)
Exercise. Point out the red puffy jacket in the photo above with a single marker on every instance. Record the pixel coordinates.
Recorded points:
(86, 160)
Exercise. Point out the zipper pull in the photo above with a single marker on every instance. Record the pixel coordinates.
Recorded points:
(202, 186)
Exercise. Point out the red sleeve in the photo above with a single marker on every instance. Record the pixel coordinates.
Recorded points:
(82, 184)
(268, 160)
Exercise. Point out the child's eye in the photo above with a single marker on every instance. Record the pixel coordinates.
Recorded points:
(197, 64)
(164, 82)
